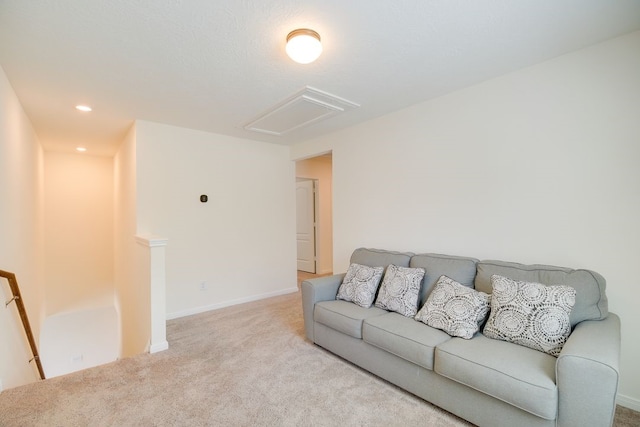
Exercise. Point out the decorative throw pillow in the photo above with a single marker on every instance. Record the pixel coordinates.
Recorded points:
(530, 314)
(400, 289)
(456, 309)
(360, 284)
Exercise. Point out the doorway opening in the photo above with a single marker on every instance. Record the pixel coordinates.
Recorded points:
(314, 216)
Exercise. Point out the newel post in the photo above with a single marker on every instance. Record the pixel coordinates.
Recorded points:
(157, 291)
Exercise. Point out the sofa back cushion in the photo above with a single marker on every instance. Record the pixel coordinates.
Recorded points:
(460, 269)
(380, 258)
(591, 300)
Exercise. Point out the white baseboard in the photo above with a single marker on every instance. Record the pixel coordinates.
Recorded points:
(161, 346)
(218, 306)
(628, 402)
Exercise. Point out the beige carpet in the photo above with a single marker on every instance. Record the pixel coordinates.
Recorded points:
(247, 365)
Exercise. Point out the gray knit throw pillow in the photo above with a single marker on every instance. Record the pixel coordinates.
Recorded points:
(400, 290)
(454, 308)
(360, 284)
(530, 314)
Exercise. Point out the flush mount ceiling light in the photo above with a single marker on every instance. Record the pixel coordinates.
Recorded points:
(84, 108)
(303, 45)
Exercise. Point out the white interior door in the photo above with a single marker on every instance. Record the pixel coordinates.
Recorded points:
(305, 225)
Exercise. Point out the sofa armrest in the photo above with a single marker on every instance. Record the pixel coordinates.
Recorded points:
(587, 373)
(316, 290)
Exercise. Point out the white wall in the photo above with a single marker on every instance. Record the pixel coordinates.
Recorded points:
(78, 231)
(20, 234)
(132, 299)
(241, 243)
(537, 166)
(319, 168)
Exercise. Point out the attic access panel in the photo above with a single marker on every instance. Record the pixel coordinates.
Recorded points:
(306, 107)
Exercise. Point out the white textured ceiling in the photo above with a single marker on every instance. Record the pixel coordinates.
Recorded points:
(215, 65)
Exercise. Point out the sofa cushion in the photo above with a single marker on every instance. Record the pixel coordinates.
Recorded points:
(404, 337)
(530, 314)
(380, 257)
(591, 300)
(460, 269)
(360, 285)
(456, 309)
(344, 316)
(518, 375)
(399, 290)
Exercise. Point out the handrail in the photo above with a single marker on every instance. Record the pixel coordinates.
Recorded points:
(13, 284)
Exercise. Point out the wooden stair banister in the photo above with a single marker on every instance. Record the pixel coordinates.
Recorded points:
(15, 290)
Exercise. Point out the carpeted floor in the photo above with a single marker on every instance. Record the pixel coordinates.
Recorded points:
(247, 365)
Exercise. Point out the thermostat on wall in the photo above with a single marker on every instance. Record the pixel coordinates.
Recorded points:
(204, 198)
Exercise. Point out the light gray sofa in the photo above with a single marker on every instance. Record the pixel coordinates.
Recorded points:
(485, 381)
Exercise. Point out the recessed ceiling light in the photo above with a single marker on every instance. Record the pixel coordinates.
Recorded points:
(83, 108)
(303, 45)
(81, 149)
